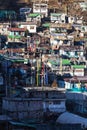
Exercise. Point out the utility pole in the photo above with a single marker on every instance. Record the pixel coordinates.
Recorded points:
(0, 43)
(37, 73)
(60, 65)
(6, 79)
(42, 70)
(28, 43)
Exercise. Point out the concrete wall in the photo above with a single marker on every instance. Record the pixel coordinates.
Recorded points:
(33, 105)
(18, 108)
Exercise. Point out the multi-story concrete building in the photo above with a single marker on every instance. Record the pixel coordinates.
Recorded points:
(41, 8)
(34, 103)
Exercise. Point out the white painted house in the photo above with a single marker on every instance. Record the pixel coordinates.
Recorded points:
(33, 17)
(71, 19)
(31, 26)
(83, 5)
(57, 17)
(76, 52)
(58, 33)
(41, 8)
(84, 28)
(62, 18)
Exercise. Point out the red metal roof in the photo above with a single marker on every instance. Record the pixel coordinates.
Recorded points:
(17, 29)
(17, 50)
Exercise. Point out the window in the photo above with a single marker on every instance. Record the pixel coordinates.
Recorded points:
(46, 94)
(31, 27)
(57, 102)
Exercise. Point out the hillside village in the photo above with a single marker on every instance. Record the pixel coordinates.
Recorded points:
(43, 64)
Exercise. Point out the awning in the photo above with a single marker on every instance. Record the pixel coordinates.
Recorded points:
(19, 60)
(78, 66)
(22, 124)
(33, 15)
(14, 37)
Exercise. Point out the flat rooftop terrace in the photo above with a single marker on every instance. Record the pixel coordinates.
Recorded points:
(44, 88)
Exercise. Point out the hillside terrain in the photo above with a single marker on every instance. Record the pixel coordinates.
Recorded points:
(68, 6)
(16, 4)
(13, 4)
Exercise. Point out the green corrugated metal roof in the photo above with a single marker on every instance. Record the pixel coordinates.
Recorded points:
(14, 37)
(56, 14)
(65, 62)
(19, 60)
(33, 14)
(46, 25)
(78, 66)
